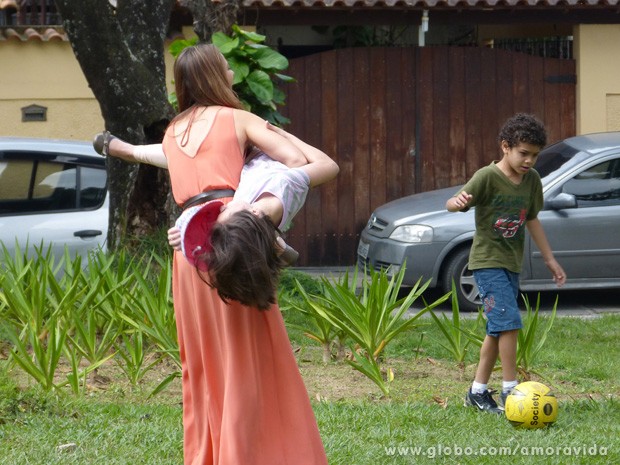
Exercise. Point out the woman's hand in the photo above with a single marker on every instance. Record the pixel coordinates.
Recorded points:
(276, 129)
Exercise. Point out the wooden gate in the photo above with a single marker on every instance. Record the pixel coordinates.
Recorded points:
(405, 120)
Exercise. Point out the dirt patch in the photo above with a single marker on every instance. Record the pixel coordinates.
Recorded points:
(423, 379)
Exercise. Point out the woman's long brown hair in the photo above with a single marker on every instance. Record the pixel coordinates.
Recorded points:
(200, 79)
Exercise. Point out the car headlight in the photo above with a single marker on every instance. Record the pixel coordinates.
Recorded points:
(412, 233)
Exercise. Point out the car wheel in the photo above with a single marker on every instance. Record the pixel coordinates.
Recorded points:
(466, 289)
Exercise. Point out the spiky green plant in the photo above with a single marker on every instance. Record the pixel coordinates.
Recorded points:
(456, 340)
(151, 312)
(533, 336)
(371, 318)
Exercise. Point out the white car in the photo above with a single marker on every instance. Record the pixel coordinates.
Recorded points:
(52, 192)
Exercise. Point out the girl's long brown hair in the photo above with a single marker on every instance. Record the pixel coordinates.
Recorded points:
(245, 262)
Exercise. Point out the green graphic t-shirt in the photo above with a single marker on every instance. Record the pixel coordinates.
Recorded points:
(502, 209)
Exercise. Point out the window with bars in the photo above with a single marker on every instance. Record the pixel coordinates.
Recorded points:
(550, 47)
(30, 13)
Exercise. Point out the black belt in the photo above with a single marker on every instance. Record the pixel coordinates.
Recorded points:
(206, 197)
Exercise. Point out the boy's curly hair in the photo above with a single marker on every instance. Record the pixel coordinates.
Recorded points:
(244, 263)
(523, 127)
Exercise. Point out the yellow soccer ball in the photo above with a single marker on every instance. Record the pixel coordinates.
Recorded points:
(531, 405)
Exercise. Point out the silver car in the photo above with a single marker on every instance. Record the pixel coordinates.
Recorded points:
(54, 193)
(581, 218)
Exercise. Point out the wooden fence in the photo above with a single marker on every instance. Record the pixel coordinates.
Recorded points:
(405, 120)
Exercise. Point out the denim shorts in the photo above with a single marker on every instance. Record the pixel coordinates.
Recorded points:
(499, 289)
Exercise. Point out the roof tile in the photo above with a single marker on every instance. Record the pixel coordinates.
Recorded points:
(31, 34)
(422, 3)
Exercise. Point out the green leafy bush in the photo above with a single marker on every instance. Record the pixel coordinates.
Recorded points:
(256, 67)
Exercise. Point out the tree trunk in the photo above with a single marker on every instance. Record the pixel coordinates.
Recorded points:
(121, 52)
(212, 17)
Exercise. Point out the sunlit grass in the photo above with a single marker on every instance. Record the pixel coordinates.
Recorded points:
(117, 423)
(358, 426)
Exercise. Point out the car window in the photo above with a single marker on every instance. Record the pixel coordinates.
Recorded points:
(92, 187)
(596, 186)
(39, 186)
(553, 157)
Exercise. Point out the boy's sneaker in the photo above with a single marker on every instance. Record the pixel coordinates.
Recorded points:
(483, 402)
(501, 404)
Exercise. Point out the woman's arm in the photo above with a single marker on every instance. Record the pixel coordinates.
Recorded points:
(320, 167)
(252, 130)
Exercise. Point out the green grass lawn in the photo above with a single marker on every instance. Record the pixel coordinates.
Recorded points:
(422, 422)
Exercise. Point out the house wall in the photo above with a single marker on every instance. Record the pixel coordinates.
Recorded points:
(597, 53)
(49, 75)
(45, 74)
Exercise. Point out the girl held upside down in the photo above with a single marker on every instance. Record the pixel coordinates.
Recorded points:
(229, 248)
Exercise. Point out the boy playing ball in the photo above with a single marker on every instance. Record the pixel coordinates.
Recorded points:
(508, 196)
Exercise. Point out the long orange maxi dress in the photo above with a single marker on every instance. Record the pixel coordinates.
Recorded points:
(244, 401)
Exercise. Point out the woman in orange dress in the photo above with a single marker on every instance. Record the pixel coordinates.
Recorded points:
(244, 401)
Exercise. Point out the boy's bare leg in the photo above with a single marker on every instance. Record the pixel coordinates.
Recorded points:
(508, 354)
(488, 356)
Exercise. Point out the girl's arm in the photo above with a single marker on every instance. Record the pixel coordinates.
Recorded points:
(150, 154)
(320, 167)
(538, 234)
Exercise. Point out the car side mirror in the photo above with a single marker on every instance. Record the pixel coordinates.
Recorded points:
(561, 202)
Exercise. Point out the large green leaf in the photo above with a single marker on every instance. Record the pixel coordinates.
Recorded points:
(230, 47)
(224, 43)
(239, 67)
(179, 45)
(279, 97)
(270, 59)
(248, 35)
(261, 85)
(285, 78)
